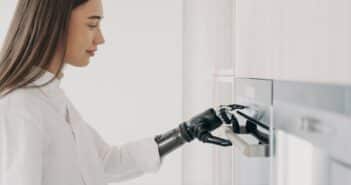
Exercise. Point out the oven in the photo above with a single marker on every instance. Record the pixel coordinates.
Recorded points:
(309, 134)
(312, 134)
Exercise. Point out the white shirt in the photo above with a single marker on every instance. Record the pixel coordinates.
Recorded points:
(45, 141)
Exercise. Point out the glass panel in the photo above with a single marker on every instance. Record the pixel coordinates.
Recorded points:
(348, 101)
(299, 162)
(222, 156)
(250, 170)
(339, 173)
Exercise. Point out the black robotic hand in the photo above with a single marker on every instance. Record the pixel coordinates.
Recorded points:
(200, 127)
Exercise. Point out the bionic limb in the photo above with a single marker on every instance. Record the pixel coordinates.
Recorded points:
(198, 127)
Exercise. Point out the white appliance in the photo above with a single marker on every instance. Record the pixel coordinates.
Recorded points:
(312, 134)
(251, 159)
(309, 134)
(250, 155)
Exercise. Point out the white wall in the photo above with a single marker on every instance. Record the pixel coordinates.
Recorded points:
(7, 8)
(132, 87)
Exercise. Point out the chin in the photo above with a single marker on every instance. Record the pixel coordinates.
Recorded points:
(80, 63)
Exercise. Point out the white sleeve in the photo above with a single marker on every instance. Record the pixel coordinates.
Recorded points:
(128, 161)
(21, 150)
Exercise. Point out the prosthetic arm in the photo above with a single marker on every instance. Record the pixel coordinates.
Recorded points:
(198, 127)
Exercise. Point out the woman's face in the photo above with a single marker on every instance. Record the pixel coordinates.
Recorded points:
(84, 33)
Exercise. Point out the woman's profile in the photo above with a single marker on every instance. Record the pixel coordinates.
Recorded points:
(43, 138)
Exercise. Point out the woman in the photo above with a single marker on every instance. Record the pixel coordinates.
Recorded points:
(43, 138)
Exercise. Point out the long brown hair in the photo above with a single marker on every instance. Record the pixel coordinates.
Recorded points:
(37, 29)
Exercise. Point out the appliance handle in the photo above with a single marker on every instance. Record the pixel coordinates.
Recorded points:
(312, 125)
(250, 150)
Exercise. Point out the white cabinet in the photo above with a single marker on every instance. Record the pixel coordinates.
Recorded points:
(256, 26)
(220, 27)
(298, 40)
(315, 41)
(207, 53)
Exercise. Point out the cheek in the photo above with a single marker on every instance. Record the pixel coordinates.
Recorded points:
(78, 43)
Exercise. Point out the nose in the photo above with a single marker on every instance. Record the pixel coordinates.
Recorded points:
(99, 39)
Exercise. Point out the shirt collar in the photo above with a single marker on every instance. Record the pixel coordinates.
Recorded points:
(53, 86)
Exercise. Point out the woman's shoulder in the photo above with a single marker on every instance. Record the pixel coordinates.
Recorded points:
(22, 109)
(21, 94)
(23, 102)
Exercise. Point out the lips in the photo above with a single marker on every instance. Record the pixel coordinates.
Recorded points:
(91, 52)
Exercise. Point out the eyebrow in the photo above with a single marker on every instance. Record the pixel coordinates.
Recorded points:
(95, 17)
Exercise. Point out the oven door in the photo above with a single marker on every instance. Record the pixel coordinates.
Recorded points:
(312, 134)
